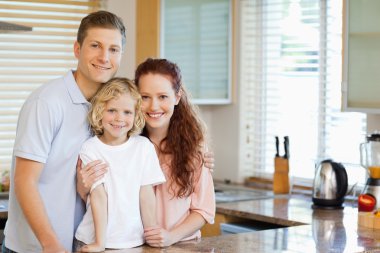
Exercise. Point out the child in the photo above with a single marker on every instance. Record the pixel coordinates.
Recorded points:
(187, 200)
(112, 219)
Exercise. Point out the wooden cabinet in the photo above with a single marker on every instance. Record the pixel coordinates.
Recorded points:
(214, 229)
(361, 56)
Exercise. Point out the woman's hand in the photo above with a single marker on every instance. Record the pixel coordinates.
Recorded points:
(208, 160)
(88, 175)
(157, 237)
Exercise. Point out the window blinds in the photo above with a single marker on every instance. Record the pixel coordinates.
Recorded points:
(291, 81)
(29, 59)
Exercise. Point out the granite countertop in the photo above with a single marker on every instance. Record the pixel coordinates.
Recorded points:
(307, 230)
(310, 230)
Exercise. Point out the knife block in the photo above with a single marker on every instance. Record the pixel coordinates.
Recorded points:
(281, 175)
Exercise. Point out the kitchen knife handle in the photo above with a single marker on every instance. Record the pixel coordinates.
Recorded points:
(277, 147)
(286, 147)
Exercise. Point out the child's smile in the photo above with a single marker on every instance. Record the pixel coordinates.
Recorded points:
(118, 119)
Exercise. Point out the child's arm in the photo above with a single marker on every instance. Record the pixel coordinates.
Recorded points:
(98, 201)
(148, 206)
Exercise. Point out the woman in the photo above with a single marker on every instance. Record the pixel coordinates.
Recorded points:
(186, 201)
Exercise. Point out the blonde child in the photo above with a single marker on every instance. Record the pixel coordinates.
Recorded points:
(121, 204)
(187, 200)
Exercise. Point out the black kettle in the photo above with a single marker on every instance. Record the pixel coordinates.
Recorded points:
(330, 185)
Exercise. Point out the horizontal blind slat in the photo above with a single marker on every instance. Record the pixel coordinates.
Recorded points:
(38, 25)
(14, 16)
(43, 9)
(67, 3)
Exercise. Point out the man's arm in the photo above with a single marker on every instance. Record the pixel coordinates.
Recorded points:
(148, 206)
(27, 174)
(208, 160)
(88, 175)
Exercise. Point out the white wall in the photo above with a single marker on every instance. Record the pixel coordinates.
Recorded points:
(373, 123)
(222, 120)
(223, 125)
(126, 9)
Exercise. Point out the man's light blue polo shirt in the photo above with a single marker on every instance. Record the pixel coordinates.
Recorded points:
(51, 129)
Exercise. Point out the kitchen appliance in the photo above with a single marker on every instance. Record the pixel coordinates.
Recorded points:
(330, 185)
(370, 160)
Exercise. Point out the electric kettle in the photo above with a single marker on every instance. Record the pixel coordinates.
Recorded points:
(330, 185)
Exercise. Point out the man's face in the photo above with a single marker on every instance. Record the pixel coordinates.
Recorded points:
(99, 55)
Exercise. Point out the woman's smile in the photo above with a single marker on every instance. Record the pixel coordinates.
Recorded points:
(155, 115)
(158, 100)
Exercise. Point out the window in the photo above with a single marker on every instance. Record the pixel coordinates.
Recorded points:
(29, 59)
(291, 68)
(196, 35)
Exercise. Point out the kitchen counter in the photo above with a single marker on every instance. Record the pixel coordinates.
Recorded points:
(308, 230)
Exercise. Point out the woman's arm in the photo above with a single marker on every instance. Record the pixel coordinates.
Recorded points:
(159, 237)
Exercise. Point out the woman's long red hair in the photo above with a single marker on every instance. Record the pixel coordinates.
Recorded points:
(185, 138)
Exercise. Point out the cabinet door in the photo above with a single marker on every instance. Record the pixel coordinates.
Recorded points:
(197, 36)
(361, 56)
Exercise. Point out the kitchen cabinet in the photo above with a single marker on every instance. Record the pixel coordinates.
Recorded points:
(197, 36)
(361, 56)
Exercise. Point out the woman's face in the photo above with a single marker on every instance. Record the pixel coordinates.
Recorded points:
(158, 100)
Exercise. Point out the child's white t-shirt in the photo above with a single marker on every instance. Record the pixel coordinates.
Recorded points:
(131, 165)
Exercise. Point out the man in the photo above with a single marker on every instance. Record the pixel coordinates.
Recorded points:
(44, 208)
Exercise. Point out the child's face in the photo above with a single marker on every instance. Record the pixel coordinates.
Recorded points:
(158, 100)
(118, 118)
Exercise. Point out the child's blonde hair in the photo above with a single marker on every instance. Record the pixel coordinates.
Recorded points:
(112, 90)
